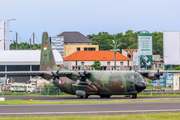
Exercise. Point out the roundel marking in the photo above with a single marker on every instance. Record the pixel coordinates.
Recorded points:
(59, 82)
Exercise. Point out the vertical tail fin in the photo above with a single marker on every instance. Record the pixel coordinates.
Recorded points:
(47, 57)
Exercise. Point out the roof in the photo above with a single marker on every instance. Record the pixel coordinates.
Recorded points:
(95, 55)
(130, 50)
(25, 57)
(75, 37)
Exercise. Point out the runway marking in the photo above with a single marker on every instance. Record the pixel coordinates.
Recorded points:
(95, 112)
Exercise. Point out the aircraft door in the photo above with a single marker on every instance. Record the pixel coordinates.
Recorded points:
(130, 82)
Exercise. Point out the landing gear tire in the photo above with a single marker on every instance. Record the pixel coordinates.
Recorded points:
(108, 96)
(80, 97)
(105, 96)
(102, 96)
(86, 96)
(133, 96)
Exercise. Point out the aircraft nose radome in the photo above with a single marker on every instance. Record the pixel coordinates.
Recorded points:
(140, 86)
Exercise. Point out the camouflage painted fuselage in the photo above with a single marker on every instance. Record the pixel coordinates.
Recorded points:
(103, 82)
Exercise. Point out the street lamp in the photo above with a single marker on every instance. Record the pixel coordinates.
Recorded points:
(10, 19)
(115, 46)
(4, 36)
(5, 31)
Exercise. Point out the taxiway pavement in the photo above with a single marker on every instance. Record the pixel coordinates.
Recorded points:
(88, 109)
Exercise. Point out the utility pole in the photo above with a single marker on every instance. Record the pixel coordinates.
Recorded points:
(115, 60)
(33, 41)
(30, 43)
(16, 39)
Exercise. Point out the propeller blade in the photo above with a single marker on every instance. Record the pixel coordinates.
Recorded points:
(49, 69)
(54, 75)
(58, 69)
(51, 81)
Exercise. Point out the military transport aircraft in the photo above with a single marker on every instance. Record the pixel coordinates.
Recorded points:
(85, 83)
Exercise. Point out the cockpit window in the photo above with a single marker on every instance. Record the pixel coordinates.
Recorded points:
(130, 77)
(137, 77)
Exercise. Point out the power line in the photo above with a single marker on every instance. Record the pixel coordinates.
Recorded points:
(37, 39)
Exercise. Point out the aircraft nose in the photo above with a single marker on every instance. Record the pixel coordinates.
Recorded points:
(140, 86)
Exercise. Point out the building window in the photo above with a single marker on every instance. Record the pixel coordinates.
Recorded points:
(18, 67)
(82, 65)
(35, 67)
(108, 65)
(91, 49)
(76, 63)
(2, 67)
(85, 49)
(78, 49)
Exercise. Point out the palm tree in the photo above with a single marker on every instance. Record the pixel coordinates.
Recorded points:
(115, 45)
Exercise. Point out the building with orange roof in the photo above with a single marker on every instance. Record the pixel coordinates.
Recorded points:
(83, 59)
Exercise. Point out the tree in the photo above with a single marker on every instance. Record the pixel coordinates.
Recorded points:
(24, 46)
(115, 45)
(129, 40)
(96, 65)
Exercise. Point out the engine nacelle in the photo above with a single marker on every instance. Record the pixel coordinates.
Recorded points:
(151, 76)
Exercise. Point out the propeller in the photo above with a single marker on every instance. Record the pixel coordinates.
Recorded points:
(54, 75)
(82, 76)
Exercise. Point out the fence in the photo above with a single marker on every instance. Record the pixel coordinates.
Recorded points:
(160, 91)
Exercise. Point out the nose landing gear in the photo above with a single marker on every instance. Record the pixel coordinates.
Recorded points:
(133, 96)
(105, 96)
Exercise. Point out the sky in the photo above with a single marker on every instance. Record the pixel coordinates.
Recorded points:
(89, 16)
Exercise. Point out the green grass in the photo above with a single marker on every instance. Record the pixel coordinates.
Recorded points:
(160, 116)
(148, 86)
(7, 93)
(158, 95)
(14, 102)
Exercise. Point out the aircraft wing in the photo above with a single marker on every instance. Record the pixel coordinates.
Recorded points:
(154, 75)
(44, 74)
(161, 71)
(37, 73)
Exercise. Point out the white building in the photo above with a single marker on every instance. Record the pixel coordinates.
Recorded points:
(23, 60)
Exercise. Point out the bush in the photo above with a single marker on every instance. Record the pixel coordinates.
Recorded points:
(51, 90)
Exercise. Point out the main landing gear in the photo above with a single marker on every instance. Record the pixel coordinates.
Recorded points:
(86, 96)
(105, 96)
(133, 96)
